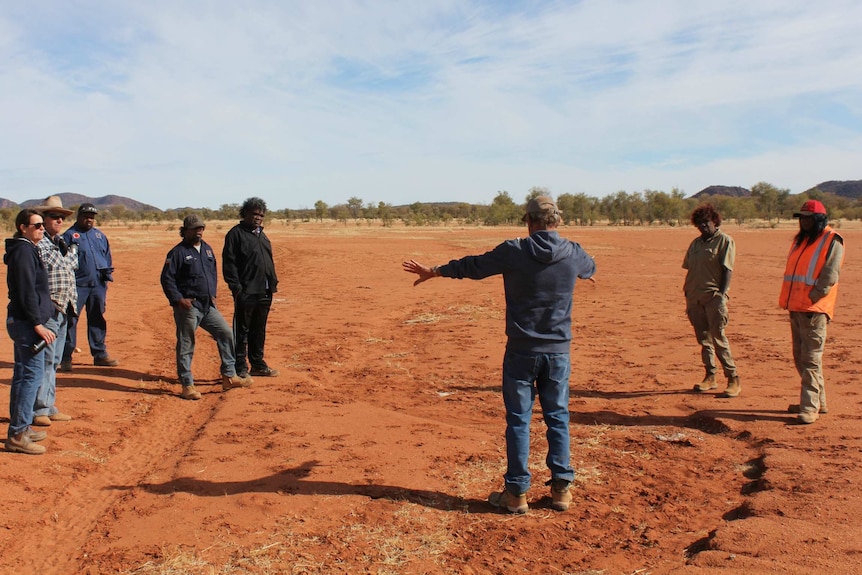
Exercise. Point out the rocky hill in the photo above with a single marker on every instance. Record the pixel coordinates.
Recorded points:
(847, 188)
(730, 191)
(73, 200)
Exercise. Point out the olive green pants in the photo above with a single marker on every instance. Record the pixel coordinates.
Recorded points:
(809, 338)
(708, 316)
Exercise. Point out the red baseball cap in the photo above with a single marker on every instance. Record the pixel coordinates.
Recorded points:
(810, 208)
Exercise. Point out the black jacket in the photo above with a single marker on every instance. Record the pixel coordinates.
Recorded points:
(29, 296)
(192, 274)
(247, 263)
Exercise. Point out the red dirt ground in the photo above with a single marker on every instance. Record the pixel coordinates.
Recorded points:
(376, 447)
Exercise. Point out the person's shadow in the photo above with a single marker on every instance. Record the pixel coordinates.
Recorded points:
(294, 481)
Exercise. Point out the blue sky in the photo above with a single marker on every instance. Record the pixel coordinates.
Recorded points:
(203, 103)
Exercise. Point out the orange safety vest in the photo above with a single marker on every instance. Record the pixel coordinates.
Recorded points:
(804, 264)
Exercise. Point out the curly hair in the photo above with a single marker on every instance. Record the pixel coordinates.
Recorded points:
(252, 204)
(705, 213)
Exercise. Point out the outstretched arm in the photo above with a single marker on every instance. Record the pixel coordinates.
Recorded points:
(424, 272)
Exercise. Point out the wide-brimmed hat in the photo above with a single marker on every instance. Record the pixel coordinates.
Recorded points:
(53, 204)
(810, 208)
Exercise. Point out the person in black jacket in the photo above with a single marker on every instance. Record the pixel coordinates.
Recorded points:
(189, 280)
(249, 272)
(29, 309)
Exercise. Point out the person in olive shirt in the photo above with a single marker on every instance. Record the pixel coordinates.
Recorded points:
(249, 271)
(709, 261)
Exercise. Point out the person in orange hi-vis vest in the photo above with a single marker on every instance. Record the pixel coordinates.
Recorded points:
(809, 291)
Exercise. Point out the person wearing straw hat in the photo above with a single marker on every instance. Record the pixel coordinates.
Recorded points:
(60, 260)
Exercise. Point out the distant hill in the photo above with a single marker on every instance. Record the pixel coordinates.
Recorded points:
(73, 200)
(847, 188)
(730, 191)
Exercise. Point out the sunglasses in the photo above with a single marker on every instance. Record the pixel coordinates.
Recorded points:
(55, 216)
(37, 225)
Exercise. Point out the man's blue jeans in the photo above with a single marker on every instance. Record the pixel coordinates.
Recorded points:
(524, 376)
(211, 321)
(27, 375)
(46, 397)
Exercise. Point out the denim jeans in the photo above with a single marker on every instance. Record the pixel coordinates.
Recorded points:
(524, 376)
(47, 394)
(188, 321)
(27, 375)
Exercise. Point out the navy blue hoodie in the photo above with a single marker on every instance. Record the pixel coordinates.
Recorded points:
(27, 280)
(539, 274)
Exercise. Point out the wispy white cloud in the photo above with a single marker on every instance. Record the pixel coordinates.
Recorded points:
(207, 103)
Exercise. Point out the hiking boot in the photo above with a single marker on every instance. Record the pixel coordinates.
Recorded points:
(59, 416)
(806, 417)
(707, 383)
(233, 381)
(42, 421)
(106, 361)
(512, 503)
(65, 366)
(794, 408)
(189, 392)
(733, 387)
(561, 497)
(35, 435)
(21, 443)
(264, 372)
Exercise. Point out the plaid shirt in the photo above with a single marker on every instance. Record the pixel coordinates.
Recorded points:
(61, 273)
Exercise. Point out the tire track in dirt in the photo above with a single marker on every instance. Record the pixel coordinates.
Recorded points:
(54, 544)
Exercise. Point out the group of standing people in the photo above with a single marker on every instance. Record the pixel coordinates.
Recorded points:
(539, 274)
(53, 277)
(190, 279)
(808, 292)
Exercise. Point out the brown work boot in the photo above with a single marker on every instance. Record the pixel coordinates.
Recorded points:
(512, 503)
(42, 421)
(36, 435)
(733, 387)
(561, 497)
(189, 392)
(807, 417)
(22, 443)
(707, 383)
(232, 381)
(60, 416)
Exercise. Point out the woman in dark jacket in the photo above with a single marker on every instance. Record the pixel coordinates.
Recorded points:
(29, 308)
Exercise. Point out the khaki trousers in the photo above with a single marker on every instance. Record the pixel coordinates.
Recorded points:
(708, 316)
(808, 330)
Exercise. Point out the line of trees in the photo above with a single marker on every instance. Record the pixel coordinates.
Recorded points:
(649, 207)
(766, 202)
